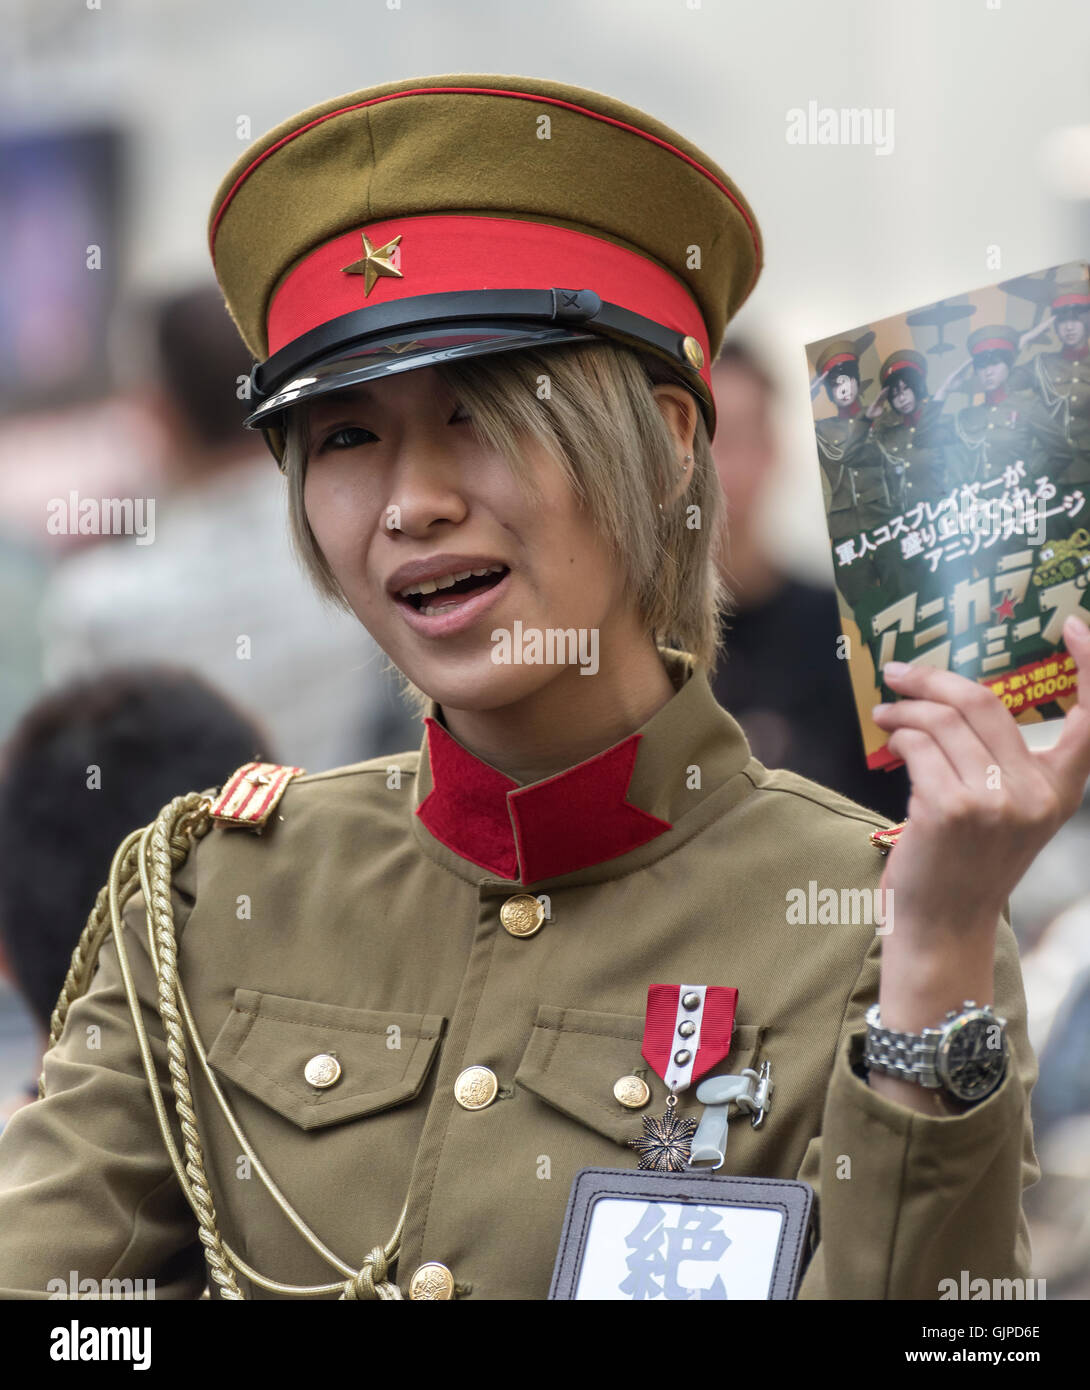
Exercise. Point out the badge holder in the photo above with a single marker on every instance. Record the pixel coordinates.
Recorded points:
(632, 1235)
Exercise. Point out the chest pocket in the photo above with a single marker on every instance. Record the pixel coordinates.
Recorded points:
(267, 1040)
(576, 1056)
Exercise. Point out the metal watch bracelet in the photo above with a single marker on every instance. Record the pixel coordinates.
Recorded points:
(910, 1056)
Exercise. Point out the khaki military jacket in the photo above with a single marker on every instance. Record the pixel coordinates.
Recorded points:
(369, 910)
(853, 477)
(994, 437)
(915, 455)
(1063, 423)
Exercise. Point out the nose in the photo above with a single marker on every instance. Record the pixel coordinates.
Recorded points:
(426, 486)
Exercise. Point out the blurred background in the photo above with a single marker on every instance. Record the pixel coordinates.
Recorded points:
(117, 125)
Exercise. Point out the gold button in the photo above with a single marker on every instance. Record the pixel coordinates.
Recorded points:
(476, 1088)
(322, 1071)
(632, 1092)
(522, 915)
(694, 353)
(432, 1281)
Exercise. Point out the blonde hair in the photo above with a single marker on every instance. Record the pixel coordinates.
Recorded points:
(592, 407)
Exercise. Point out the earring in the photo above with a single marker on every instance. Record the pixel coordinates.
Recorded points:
(685, 465)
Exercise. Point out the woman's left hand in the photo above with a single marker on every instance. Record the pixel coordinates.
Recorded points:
(982, 807)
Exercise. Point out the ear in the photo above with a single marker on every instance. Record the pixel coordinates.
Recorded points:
(679, 409)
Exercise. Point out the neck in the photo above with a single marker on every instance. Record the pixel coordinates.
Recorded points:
(996, 397)
(846, 411)
(1076, 354)
(569, 719)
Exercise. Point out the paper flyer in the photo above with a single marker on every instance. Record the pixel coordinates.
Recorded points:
(954, 448)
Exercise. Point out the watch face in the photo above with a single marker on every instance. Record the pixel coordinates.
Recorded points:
(972, 1056)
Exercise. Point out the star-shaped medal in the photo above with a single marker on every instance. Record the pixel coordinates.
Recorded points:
(375, 262)
(666, 1142)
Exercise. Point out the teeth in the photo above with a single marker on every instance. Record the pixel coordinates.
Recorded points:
(429, 586)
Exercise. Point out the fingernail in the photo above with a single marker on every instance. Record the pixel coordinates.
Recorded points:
(878, 709)
(894, 668)
(1074, 625)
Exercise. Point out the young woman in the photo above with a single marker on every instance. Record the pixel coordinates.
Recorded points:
(399, 1020)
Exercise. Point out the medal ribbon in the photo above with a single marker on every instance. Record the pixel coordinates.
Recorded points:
(707, 1044)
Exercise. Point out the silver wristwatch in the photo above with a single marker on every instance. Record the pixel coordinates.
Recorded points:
(966, 1055)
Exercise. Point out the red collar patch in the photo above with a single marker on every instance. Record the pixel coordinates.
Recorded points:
(567, 822)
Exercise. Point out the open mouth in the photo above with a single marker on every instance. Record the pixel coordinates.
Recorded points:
(435, 596)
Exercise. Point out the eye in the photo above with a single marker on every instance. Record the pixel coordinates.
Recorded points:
(331, 440)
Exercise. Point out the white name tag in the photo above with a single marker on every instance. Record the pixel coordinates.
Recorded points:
(631, 1235)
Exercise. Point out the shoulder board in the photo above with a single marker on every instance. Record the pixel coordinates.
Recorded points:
(251, 795)
(886, 839)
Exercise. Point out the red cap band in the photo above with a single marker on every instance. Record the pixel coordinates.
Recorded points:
(994, 345)
(446, 252)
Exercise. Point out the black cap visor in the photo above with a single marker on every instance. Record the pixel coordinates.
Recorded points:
(432, 329)
(404, 351)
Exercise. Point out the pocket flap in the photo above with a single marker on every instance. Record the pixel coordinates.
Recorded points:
(576, 1056)
(268, 1039)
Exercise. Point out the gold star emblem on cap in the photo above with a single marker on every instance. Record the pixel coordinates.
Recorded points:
(375, 262)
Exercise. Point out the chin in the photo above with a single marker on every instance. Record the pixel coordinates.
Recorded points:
(477, 682)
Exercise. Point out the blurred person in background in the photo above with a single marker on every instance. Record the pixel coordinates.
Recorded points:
(85, 766)
(251, 625)
(1057, 980)
(23, 576)
(780, 676)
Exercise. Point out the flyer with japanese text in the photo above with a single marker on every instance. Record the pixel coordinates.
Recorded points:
(954, 447)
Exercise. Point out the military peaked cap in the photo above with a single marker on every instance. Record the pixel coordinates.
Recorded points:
(448, 217)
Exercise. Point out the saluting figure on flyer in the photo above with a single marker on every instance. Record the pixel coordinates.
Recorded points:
(389, 1011)
(1062, 380)
(853, 478)
(912, 434)
(996, 435)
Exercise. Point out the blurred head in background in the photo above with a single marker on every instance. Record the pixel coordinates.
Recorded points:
(201, 366)
(745, 453)
(85, 766)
